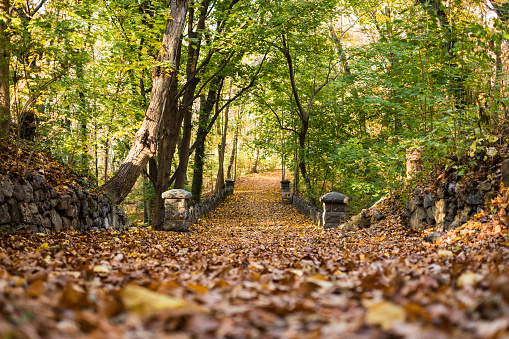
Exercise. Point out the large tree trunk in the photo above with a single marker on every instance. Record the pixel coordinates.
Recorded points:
(5, 99)
(144, 143)
(172, 121)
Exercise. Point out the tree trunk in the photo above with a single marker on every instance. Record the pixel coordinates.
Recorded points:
(220, 170)
(234, 151)
(172, 121)
(193, 52)
(5, 99)
(199, 155)
(254, 169)
(144, 143)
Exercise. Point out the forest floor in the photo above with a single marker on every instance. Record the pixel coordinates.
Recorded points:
(256, 268)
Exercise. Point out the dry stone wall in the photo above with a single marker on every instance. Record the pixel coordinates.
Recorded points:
(38, 207)
(200, 210)
(308, 210)
(447, 206)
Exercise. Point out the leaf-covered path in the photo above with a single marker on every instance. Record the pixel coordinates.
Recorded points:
(256, 268)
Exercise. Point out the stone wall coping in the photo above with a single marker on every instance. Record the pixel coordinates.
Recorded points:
(176, 194)
(229, 180)
(334, 198)
(285, 181)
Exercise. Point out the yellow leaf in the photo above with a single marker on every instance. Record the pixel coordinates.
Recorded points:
(145, 303)
(101, 269)
(468, 278)
(44, 246)
(383, 313)
(445, 254)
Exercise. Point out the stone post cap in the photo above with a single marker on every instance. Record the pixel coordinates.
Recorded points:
(334, 198)
(229, 180)
(285, 181)
(176, 194)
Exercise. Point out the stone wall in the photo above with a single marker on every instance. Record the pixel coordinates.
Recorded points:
(308, 210)
(447, 206)
(38, 207)
(198, 211)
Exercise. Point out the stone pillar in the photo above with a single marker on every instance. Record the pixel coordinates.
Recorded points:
(230, 183)
(334, 209)
(176, 207)
(286, 194)
(414, 164)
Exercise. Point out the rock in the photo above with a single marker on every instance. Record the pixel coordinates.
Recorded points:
(52, 192)
(25, 213)
(104, 211)
(334, 198)
(411, 206)
(417, 220)
(64, 202)
(376, 216)
(84, 211)
(430, 215)
(484, 186)
(475, 199)
(94, 229)
(120, 211)
(429, 200)
(39, 195)
(433, 237)
(80, 194)
(418, 197)
(37, 219)
(6, 188)
(453, 225)
(176, 194)
(33, 208)
(38, 181)
(94, 206)
(106, 223)
(5, 217)
(451, 213)
(349, 226)
(464, 214)
(14, 210)
(71, 212)
(360, 222)
(440, 210)
(46, 222)
(505, 172)
(451, 188)
(56, 220)
(23, 192)
(66, 223)
(53, 203)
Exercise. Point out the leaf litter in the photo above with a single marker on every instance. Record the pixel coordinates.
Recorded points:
(256, 268)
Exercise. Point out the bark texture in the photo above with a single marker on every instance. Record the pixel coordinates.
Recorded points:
(168, 136)
(5, 100)
(144, 143)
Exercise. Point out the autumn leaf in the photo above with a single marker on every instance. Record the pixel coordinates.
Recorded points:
(145, 303)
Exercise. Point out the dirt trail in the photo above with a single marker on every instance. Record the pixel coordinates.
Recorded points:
(256, 268)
